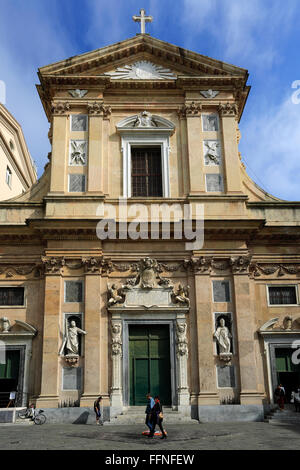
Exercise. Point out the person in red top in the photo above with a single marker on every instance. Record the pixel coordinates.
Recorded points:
(280, 394)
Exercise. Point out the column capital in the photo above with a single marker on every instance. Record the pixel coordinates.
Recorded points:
(228, 109)
(60, 108)
(190, 110)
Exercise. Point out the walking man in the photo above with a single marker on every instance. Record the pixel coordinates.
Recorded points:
(98, 411)
(150, 405)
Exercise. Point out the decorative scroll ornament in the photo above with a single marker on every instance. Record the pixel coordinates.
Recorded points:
(142, 70)
(228, 109)
(148, 275)
(78, 93)
(116, 345)
(209, 93)
(181, 340)
(61, 107)
(277, 325)
(145, 119)
(258, 269)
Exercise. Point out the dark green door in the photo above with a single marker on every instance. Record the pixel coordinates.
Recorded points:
(149, 363)
(9, 375)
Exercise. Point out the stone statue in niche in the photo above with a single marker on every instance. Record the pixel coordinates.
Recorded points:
(212, 153)
(116, 346)
(114, 295)
(144, 119)
(223, 337)
(70, 340)
(181, 295)
(5, 324)
(78, 152)
(182, 345)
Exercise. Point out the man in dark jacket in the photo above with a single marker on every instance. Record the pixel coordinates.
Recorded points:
(97, 410)
(150, 405)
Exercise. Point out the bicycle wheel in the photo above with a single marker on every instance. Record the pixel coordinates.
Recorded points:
(22, 414)
(40, 419)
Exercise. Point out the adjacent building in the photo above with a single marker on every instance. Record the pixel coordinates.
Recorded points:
(17, 170)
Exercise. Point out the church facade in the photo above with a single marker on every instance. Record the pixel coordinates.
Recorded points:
(101, 295)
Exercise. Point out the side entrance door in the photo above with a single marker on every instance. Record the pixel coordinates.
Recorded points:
(288, 374)
(149, 363)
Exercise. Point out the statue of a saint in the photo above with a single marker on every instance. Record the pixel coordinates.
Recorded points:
(70, 341)
(223, 336)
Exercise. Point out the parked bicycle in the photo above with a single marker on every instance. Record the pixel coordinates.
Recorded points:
(37, 416)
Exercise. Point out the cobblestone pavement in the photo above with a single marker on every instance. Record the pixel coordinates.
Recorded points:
(211, 436)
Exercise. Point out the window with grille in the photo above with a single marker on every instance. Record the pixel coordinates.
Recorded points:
(282, 295)
(12, 296)
(73, 291)
(76, 183)
(146, 174)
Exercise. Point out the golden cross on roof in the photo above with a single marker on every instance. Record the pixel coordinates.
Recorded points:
(143, 19)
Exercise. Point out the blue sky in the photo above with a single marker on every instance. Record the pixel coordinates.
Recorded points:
(262, 36)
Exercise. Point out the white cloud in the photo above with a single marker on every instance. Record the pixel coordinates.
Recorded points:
(271, 145)
(246, 31)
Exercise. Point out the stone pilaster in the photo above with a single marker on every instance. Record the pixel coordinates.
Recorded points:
(59, 151)
(95, 161)
(182, 353)
(92, 358)
(246, 337)
(116, 355)
(192, 113)
(207, 370)
(232, 175)
(51, 341)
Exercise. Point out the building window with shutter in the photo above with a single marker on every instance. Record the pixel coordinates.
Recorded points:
(146, 172)
(12, 296)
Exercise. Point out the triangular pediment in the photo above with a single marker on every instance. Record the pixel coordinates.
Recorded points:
(142, 48)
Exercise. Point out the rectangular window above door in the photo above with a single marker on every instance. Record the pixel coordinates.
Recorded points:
(146, 172)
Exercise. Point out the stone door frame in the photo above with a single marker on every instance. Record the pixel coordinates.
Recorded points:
(120, 379)
(273, 341)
